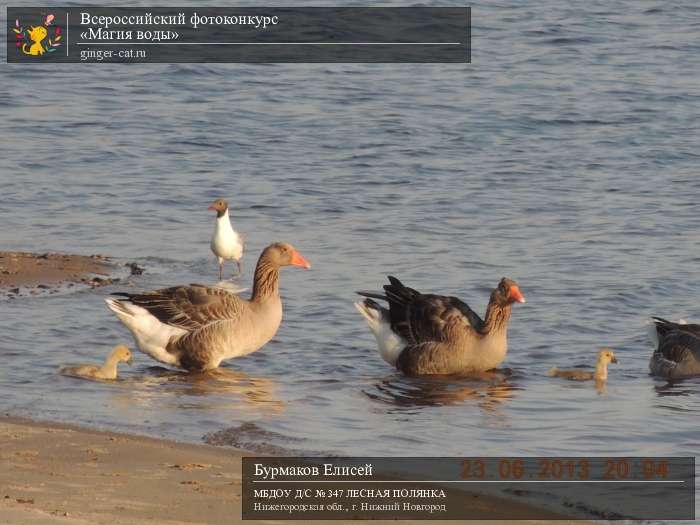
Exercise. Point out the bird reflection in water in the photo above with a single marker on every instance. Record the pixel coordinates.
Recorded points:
(220, 388)
(679, 387)
(488, 389)
(601, 387)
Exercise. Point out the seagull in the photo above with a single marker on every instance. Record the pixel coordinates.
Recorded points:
(226, 243)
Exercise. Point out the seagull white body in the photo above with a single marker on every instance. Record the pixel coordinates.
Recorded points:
(226, 243)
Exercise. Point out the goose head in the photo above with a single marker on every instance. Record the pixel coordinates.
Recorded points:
(284, 254)
(507, 293)
(122, 355)
(606, 355)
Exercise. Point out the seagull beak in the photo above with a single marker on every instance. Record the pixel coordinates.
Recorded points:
(130, 361)
(614, 360)
(298, 260)
(516, 294)
(212, 208)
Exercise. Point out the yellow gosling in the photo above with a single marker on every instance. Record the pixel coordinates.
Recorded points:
(605, 356)
(118, 354)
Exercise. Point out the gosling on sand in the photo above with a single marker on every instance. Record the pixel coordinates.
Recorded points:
(118, 355)
(605, 356)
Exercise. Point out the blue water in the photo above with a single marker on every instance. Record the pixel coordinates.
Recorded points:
(565, 156)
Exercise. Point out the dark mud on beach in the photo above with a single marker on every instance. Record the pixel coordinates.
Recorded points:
(32, 274)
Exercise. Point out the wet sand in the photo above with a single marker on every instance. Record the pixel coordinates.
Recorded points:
(25, 269)
(24, 273)
(58, 474)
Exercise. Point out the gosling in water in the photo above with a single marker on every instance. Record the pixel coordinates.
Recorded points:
(605, 356)
(118, 354)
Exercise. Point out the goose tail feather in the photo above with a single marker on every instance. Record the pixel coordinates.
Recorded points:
(390, 345)
(151, 336)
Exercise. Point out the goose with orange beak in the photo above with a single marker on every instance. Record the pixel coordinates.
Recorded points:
(426, 334)
(197, 327)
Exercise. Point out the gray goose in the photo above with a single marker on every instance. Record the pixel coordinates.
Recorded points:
(196, 327)
(677, 352)
(425, 334)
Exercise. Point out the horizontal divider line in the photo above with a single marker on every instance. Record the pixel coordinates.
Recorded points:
(270, 43)
(473, 481)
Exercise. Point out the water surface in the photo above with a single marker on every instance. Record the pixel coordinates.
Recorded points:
(565, 156)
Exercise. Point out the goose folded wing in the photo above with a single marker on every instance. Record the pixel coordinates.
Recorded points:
(681, 347)
(440, 318)
(189, 307)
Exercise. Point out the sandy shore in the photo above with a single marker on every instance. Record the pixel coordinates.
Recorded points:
(57, 474)
(24, 273)
(25, 269)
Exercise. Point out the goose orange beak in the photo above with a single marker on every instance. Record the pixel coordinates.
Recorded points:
(298, 260)
(516, 294)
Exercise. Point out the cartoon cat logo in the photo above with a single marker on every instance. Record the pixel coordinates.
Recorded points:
(37, 35)
(35, 40)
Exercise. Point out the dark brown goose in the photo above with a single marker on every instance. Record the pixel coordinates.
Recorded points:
(677, 352)
(424, 334)
(196, 327)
